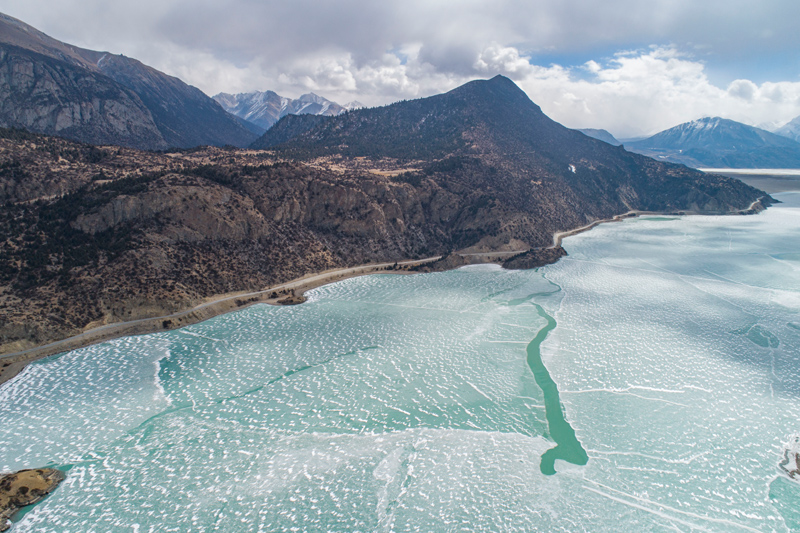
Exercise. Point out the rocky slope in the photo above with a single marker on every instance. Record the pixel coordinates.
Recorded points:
(720, 143)
(488, 136)
(266, 108)
(51, 87)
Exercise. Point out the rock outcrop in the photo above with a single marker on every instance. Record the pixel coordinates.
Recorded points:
(45, 95)
(23, 488)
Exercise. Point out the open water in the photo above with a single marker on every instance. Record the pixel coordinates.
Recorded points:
(648, 382)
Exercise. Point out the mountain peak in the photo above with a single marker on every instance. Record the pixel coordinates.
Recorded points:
(481, 115)
(791, 129)
(497, 93)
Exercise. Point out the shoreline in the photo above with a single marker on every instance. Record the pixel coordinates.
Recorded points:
(290, 293)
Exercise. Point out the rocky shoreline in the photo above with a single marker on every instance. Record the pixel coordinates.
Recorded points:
(291, 293)
(23, 488)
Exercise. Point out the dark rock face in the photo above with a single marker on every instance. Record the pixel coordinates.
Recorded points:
(185, 116)
(720, 143)
(50, 87)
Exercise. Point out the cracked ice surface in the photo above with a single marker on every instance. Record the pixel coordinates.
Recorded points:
(384, 402)
(405, 403)
(680, 367)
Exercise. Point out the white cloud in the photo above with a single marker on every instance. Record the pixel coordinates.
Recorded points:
(634, 93)
(645, 92)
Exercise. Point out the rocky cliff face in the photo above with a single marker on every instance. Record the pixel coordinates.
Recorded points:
(185, 116)
(42, 94)
(51, 87)
(160, 234)
(91, 235)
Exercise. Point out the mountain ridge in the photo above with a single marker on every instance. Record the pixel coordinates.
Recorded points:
(52, 87)
(494, 124)
(602, 135)
(791, 129)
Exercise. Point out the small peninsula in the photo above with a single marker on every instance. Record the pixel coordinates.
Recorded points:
(23, 488)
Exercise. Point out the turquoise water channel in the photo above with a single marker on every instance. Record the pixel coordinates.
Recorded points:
(648, 382)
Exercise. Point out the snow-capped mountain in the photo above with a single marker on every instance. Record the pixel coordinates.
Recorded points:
(790, 130)
(720, 143)
(265, 108)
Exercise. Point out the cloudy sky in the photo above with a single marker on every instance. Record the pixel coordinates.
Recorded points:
(630, 66)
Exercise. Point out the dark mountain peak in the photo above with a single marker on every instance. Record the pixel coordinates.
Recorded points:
(498, 90)
(600, 134)
(481, 115)
(121, 100)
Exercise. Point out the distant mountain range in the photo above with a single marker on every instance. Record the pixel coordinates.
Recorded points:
(51, 87)
(601, 135)
(720, 143)
(265, 108)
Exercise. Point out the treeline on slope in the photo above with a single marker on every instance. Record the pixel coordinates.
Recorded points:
(69, 150)
(375, 132)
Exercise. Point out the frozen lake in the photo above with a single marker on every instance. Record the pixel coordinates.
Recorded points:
(648, 382)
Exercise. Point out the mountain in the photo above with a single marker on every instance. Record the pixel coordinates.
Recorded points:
(601, 135)
(120, 234)
(265, 108)
(487, 139)
(52, 87)
(790, 130)
(720, 143)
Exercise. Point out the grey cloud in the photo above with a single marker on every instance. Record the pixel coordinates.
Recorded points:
(451, 32)
(344, 49)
